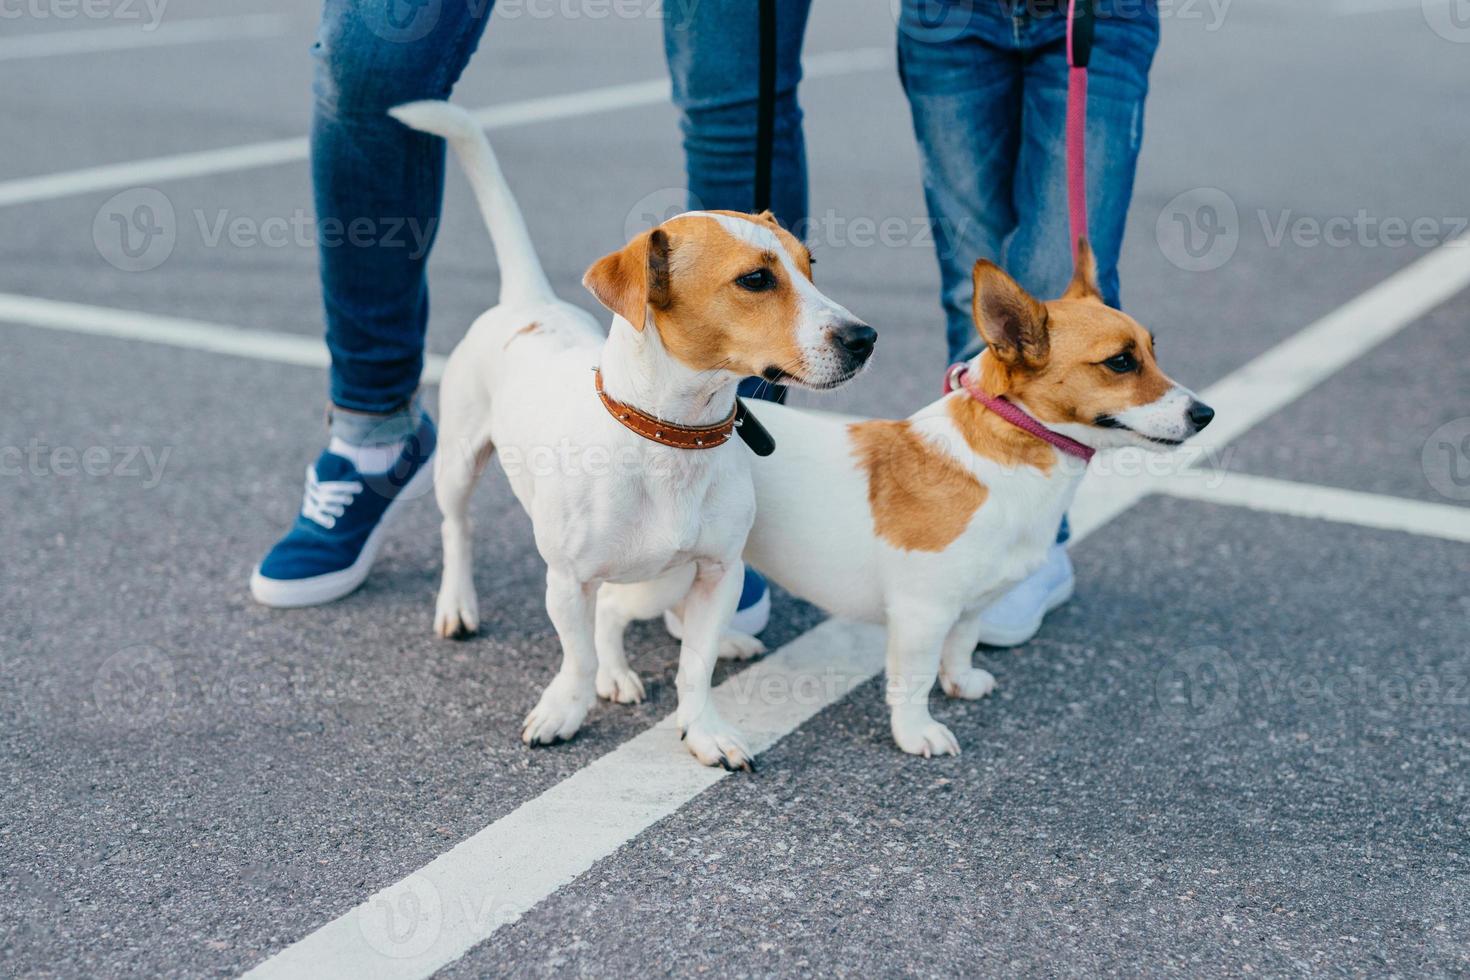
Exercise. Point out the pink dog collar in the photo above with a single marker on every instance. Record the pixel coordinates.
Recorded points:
(957, 378)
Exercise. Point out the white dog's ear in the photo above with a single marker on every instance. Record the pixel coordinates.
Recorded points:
(1010, 320)
(1084, 274)
(633, 278)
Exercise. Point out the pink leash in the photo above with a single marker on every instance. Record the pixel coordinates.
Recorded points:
(957, 378)
(1079, 53)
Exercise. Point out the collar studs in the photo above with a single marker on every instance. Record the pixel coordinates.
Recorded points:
(667, 433)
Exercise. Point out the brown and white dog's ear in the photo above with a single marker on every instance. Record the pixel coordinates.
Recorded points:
(1010, 320)
(1084, 274)
(633, 278)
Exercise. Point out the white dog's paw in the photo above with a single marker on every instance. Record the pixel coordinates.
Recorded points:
(619, 684)
(560, 712)
(456, 614)
(972, 684)
(715, 743)
(740, 646)
(922, 735)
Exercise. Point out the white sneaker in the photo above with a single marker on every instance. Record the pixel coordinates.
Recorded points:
(1016, 616)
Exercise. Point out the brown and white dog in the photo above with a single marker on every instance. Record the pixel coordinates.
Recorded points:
(921, 524)
(628, 474)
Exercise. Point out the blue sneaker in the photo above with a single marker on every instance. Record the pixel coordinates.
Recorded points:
(751, 616)
(331, 548)
(754, 612)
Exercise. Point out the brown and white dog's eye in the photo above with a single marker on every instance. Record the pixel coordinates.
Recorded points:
(1123, 363)
(757, 280)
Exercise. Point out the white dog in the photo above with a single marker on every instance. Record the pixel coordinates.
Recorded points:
(619, 447)
(920, 524)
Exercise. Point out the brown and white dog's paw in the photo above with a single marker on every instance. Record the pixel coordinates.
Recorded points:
(922, 735)
(972, 684)
(560, 712)
(740, 646)
(456, 613)
(715, 743)
(619, 684)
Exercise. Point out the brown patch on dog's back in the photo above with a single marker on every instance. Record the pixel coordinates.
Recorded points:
(920, 497)
(993, 437)
(531, 327)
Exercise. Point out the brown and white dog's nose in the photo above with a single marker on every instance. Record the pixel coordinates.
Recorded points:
(1199, 414)
(856, 338)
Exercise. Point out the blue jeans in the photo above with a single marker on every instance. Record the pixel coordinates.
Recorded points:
(713, 50)
(372, 174)
(378, 189)
(987, 87)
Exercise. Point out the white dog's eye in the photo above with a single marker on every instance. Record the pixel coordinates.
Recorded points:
(757, 280)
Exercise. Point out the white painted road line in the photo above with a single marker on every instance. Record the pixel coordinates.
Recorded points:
(260, 345)
(1352, 8)
(1325, 503)
(229, 159)
(1289, 370)
(124, 37)
(1270, 382)
(436, 915)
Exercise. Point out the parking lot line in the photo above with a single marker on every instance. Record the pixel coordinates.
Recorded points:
(461, 898)
(1324, 503)
(607, 98)
(153, 328)
(123, 37)
(1352, 8)
(437, 914)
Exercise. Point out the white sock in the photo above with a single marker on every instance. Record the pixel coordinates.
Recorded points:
(367, 459)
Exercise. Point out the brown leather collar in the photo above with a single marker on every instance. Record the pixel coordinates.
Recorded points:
(666, 433)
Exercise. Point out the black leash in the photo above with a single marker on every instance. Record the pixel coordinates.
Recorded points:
(765, 113)
(750, 430)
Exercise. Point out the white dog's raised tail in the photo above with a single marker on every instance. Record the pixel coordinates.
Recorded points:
(522, 279)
